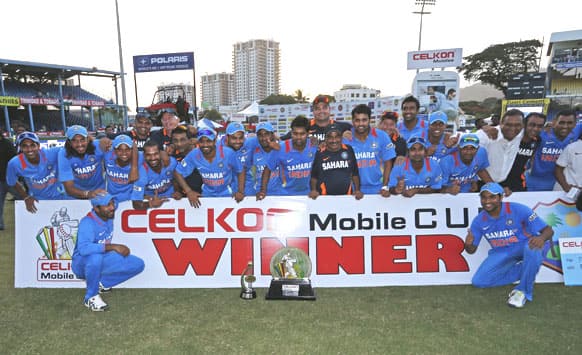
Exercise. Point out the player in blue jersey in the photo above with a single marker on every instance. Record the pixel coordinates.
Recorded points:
(295, 158)
(335, 168)
(259, 158)
(118, 164)
(156, 183)
(374, 151)
(440, 142)
(243, 148)
(463, 168)
(38, 168)
(80, 166)
(418, 174)
(96, 259)
(411, 124)
(565, 131)
(516, 235)
(217, 165)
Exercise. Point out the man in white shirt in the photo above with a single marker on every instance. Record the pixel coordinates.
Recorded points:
(569, 168)
(503, 149)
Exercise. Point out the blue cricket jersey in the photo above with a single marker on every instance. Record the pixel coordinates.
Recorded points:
(117, 177)
(94, 233)
(85, 172)
(429, 176)
(41, 179)
(296, 167)
(150, 181)
(420, 130)
(259, 160)
(371, 155)
(217, 175)
(516, 222)
(454, 169)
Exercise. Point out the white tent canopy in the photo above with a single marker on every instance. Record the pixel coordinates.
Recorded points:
(251, 110)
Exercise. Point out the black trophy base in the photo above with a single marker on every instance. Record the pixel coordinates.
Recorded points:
(290, 289)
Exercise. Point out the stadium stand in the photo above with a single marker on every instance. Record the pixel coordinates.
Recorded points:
(30, 82)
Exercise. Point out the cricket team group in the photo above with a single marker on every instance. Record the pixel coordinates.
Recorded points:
(319, 156)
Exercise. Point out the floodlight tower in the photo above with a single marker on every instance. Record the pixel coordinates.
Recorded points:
(422, 4)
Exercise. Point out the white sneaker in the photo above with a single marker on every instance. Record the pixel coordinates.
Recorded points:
(96, 304)
(516, 299)
(103, 289)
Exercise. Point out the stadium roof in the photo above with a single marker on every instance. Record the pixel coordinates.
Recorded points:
(17, 67)
(565, 36)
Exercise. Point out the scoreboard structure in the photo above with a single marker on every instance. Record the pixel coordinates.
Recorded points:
(526, 86)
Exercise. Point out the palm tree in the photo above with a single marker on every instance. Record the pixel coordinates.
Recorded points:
(299, 97)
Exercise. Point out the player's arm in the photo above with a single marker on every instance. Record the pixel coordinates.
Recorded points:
(469, 239)
(538, 241)
(561, 178)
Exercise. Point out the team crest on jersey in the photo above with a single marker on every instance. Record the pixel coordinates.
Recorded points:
(91, 159)
(509, 222)
(444, 151)
(374, 145)
(220, 165)
(311, 155)
(344, 155)
(168, 173)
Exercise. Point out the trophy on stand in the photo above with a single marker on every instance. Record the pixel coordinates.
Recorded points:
(246, 282)
(290, 269)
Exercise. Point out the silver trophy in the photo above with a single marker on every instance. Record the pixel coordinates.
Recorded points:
(246, 282)
(290, 269)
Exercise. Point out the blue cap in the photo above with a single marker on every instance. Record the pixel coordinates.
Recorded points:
(27, 135)
(437, 116)
(469, 139)
(208, 133)
(76, 129)
(234, 127)
(101, 199)
(122, 139)
(493, 188)
(266, 126)
(415, 140)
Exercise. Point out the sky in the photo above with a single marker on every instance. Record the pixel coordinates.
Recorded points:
(324, 44)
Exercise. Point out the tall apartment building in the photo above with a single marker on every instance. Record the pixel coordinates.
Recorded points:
(256, 67)
(217, 89)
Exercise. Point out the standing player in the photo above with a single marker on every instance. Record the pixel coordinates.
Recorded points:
(156, 180)
(335, 168)
(80, 166)
(38, 169)
(141, 132)
(565, 131)
(217, 164)
(259, 158)
(295, 158)
(412, 125)
(515, 255)
(462, 168)
(96, 259)
(418, 174)
(374, 151)
(118, 164)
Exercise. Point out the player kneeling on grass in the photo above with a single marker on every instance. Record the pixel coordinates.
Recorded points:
(101, 263)
(515, 254)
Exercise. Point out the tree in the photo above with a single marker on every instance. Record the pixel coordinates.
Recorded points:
(212, 115)
(278, 100)
(496, 64)
(300, 98)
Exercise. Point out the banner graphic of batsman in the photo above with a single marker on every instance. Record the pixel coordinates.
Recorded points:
(57, 240)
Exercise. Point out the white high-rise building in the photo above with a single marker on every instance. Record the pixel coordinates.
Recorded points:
(256, 67)
(217, 90)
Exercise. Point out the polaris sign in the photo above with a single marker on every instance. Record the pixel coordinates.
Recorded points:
(163, 62)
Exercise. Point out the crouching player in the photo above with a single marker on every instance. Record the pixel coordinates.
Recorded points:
(516, 235)
(101, 263)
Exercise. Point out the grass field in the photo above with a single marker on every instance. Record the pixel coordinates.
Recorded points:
(382, 320)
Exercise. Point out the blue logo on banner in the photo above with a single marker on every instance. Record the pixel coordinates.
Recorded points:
(163, 62)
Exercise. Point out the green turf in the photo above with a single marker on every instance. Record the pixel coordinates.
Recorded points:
(381, 320)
